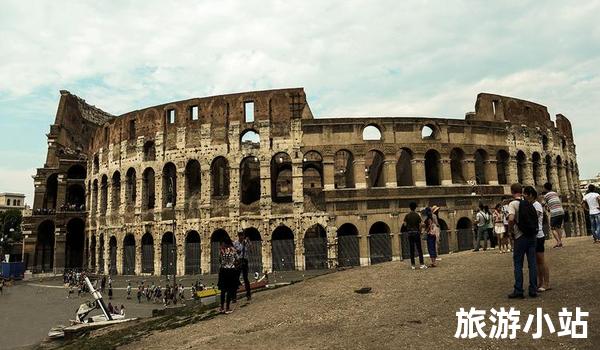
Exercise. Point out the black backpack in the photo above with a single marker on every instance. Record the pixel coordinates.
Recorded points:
(528, 220)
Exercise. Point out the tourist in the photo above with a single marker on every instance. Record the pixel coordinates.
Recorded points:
(110, 291)
(413, 222)
(523, 225)
(499, 229)
(228, 275)
(543, 273)
(432, 232)
(483, 219)
(116, 310)
(139, 294)
(490, 227)
(507, 237)
(111, 309)
(557, 213)
(591, 201)
(241, 246)
(122, 310)
(128, 290)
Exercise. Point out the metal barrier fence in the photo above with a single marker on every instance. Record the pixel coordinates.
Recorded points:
(129, 260)
(255, 257)
(315, 253)
(168, 259)
(348, 251)
(465, 239)
(444, 242)
(192, 258)
(283, 252)
(380, 248)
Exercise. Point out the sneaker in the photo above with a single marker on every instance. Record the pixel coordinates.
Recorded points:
(423, 267)
(228, 312)
(514, 295)
(413, 267)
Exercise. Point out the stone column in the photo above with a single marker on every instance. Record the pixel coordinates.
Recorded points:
(396, 253)
(120, 249)
(61, 193)
(562, 181)
(491, 171)
(180, 189)
(445, 172)
(180, 251)
(299, 256)
(390, 172)
(328, 173)
(363, 242)
(418, 171)
(157, 254)
(297, 181)
(205, 254)
(331, 246)
(138, 254)
(469, 169)
(265, 187)
(528, 173)
(512, 171)
(59, 249)
(359, 173)
(554, 177)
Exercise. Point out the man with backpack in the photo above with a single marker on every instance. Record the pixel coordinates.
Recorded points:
(484, 220)
(523, 226)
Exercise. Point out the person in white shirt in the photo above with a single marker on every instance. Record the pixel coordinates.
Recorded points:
(543, 272)
(591, 201)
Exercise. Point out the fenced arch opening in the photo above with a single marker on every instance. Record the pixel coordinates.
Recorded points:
(44, 249)
(283, 249)
(75, 244)
(192, 253)
(216, 239)
(281, 178)
(147, 253)
(168, 254)
(348, 251)
(380, 243)
(464, 234)
(129, 255)
(254, 253)
(112, 255)
(315, 248)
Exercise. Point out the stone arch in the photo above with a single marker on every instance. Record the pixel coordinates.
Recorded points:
(76, 172)
(216, 239)
(375, 169)
(380, 243)
(432, 168)
(464, 234)
(255, 263)
(536, 159)
(315, 248)
(249, 180)
(101, 254)
(169, 185)
(130, 188)
(193, 253)
(193, 183)
(343, 169)
(96, 164)
(147, 253)
(219, 178)
(51, 192)
(521, 167)
(74, 243)
(348, 251)
(429, 132)
(312, 171)
(250, 138)
(168, 254)
(129, 254)
(95, 196)
(548, 168)
(116, 190)
(75, 196)
(44, 248)
(149, 151)
(404, 176)
(148, 189)
(372, 132)
(112, 255)
(457, 158)
(281, 178)
(481, 176)
(283, 249)
(103, 194)
(502, 160)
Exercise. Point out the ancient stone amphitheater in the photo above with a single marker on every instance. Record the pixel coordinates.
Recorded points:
(154, 190)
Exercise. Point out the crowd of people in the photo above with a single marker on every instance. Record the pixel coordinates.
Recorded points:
(170, 294)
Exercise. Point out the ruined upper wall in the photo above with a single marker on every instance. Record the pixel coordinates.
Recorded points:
(490, 107)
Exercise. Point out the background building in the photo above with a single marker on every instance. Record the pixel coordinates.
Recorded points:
(12, 201)
(153, 191)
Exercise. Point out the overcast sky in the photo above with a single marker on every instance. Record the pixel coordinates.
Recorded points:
(392, 58)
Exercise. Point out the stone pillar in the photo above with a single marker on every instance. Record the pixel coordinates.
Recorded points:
(297, 181)
(299, 256)
(562, 181)
(138, 254)
(554, 177)
(180, 251)
(205, 255)
(363, 242)
(445, 172)
(106, 250)
(469, 170)
(491, 171)
(59, 249)
(331, 246)
(180, 189)
(528, 173)
(418, 171)
(390, 172)
(512, 171)
(265, 188)
(120, 249)
(359, 173)
(328, 173)
(61, 193)
(266, 255)
(157, 254)
(396, 253)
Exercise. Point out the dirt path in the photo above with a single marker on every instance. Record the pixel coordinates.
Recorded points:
(406, 309)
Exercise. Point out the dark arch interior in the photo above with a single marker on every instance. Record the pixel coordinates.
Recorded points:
(281, 178)
(432, 168)
(253, 234)
(480, 173)
(250, 180)
(502, 159)
(343, 169)
(220, 177)
(192, 237)
(379, 228)
(130, 190)
(169, 185)
(44, 251)
(464, 223)
(76, 171)
(374, 169)
(457, 157)
(404, 175)
(219, 236)
(192, 179)
(75, 195)
(75, 243)
(51, 192)
(281, 233)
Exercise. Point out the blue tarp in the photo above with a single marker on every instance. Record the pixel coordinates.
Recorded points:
(12, 270)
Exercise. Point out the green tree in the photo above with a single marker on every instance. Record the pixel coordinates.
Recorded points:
(11, 219)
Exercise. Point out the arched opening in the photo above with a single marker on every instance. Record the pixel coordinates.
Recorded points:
(371, 133)
(344, 169)
(219, 178)
(147, 253)
(457, 157)
(560, 172)
(375, 169)
(380, 243)
(521, 164)
(312, 171)
(250, 138)
(502, 159)
(169, 185)
(464, 233)
(404, 176)
(96, 165)
(101, 254)
(481, 157)
(545, 142)
(548, 168)
(94, 196)
(249, 180)
(192, 183)
(168, 254)
(44, 249)
(149, 151)
(348, 252)
(116, 191)
(130, 190)
(112, 255)
(254, 253)
(283, 249)
(76, 172)
(93, 252)
(148, 188)
(281, 178)
(75, 197)
(51, 191)
(432, 168)
(315, 248)
(74, 244)
(192, 253)
(129, 255)
(537, 169)
(103, 194)
(215, 243)
(428, 132)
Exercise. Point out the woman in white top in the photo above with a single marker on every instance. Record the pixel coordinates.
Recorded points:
(543, 273)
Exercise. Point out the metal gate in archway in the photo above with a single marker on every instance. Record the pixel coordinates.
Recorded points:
(283, 252)
(315, 253)
(348, 251)
(129, 255)
(255, 257)
(112, 253)
(380, 248)
(192, 258)
(465, 238)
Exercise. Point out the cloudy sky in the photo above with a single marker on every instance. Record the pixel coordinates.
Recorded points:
(393, 58)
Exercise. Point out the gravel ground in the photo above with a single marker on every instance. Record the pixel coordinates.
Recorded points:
(406, 309)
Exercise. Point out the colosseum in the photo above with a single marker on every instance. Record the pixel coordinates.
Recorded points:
(153, 191)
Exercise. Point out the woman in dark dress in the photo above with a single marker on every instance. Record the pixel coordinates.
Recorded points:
(228, 274)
